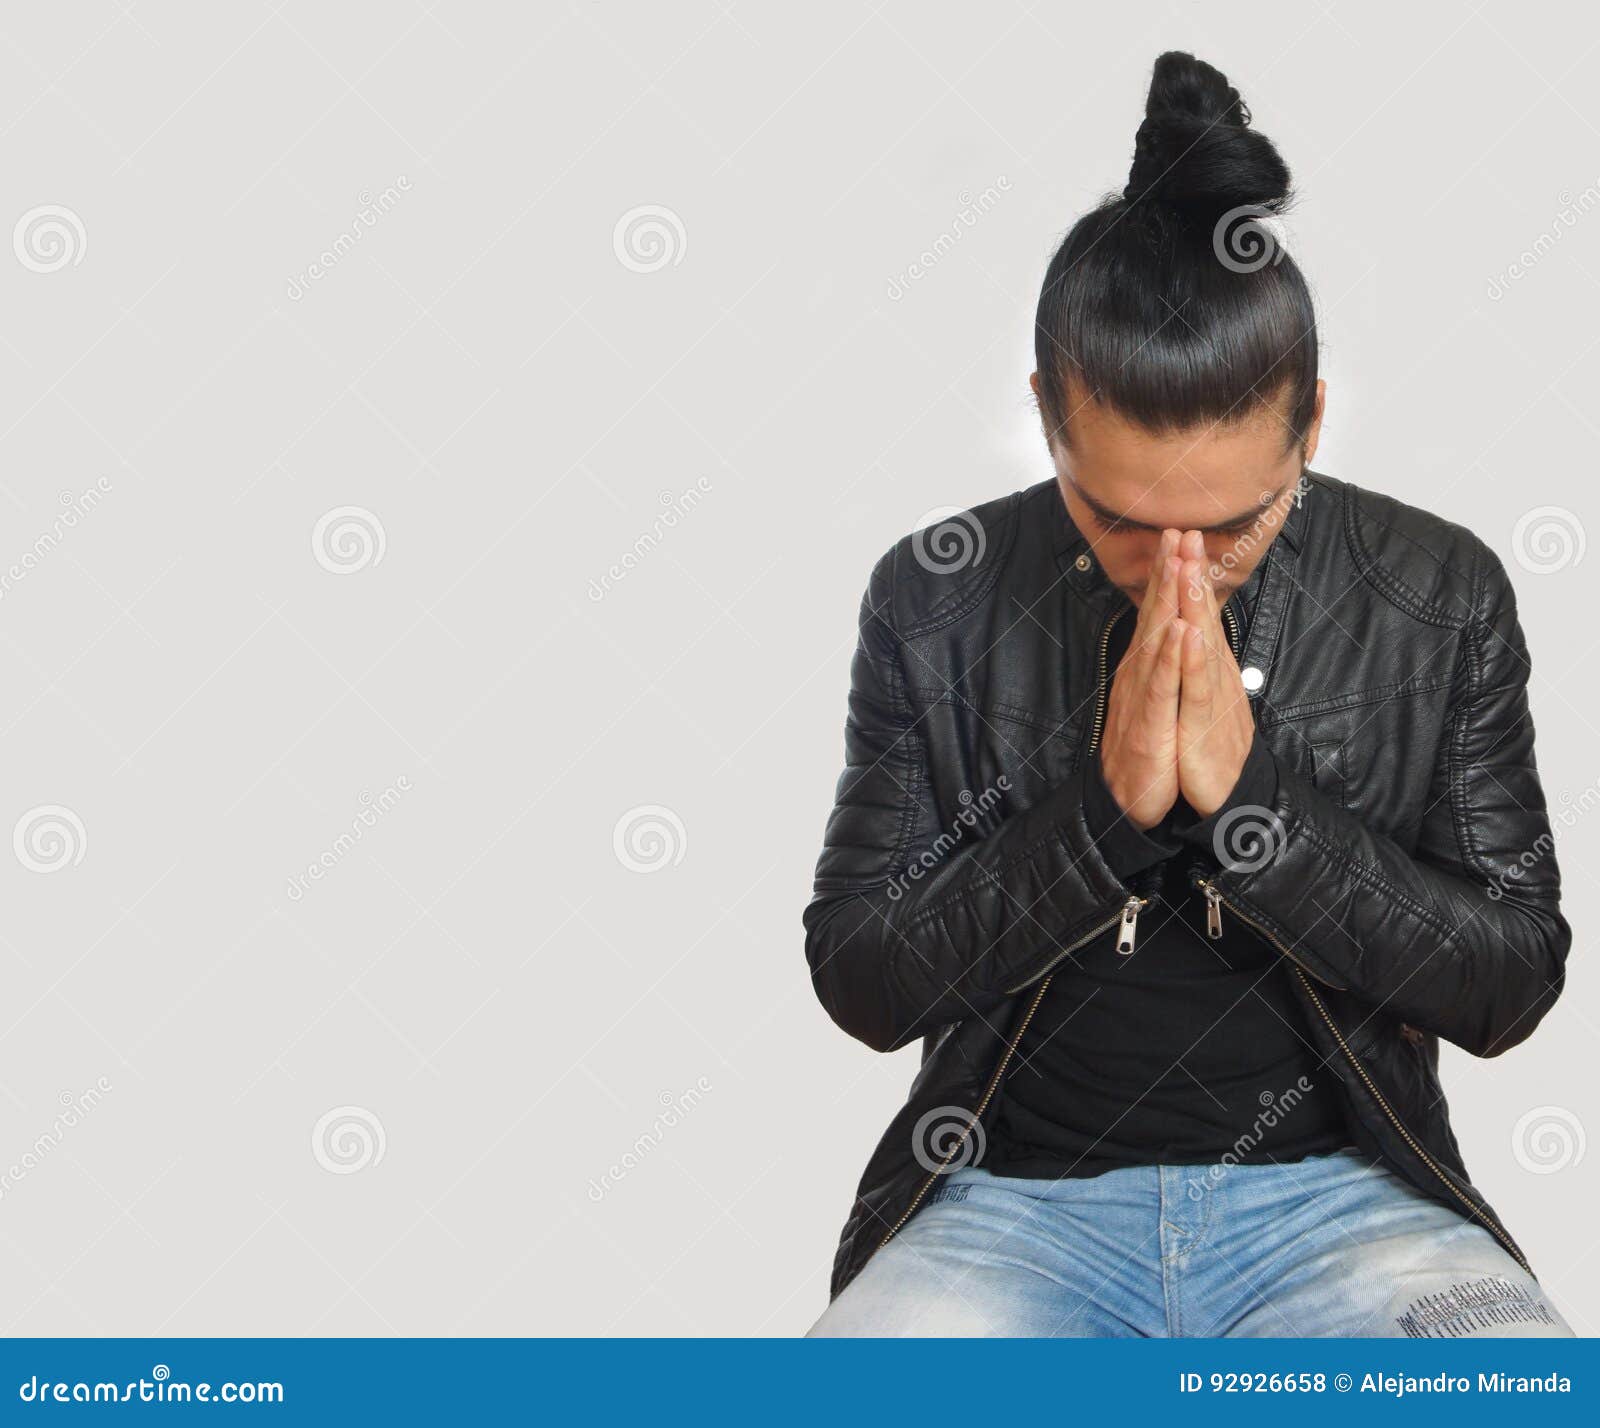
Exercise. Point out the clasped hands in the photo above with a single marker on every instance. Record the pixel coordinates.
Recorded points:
(1178, 719)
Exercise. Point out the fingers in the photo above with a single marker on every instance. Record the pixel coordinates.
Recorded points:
(1198, 599)
(1162, 690)
(1221, 648)
(1199, 687)
(1166, 547)
(1160, 597)
(1192, 602)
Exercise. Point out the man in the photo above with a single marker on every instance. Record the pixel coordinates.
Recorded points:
(1185, 812)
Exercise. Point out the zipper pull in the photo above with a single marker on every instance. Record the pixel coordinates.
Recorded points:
(1213, 912)
(1130, 925)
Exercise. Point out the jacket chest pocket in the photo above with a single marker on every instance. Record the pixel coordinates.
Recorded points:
(1323, 763)
(1319, 755)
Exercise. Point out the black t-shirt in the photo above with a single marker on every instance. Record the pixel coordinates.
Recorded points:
(1188, 1051)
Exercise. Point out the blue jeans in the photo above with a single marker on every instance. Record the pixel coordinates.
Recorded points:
(1333, 1246)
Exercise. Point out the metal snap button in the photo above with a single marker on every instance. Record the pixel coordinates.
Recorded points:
(1084, 563)
(1253, 678)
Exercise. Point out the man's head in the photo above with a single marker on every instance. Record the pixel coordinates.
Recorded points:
(1176, 343)
(1234, 483)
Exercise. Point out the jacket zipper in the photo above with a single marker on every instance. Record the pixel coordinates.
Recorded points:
(1214, 901)
(1473, 1211)
(1005, 1060)
(1127, 916)
(1129, 926)
(1232, 622)
(1102, 695)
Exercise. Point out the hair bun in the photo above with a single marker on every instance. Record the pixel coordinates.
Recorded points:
(1195, 149)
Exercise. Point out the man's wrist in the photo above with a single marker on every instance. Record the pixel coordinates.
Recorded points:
(1126, 848)
(1256, 787)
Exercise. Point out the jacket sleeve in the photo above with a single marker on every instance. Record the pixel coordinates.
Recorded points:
(1463, 937)
(920, 918)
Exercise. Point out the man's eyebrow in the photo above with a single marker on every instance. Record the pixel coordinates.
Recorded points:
(1126, 522)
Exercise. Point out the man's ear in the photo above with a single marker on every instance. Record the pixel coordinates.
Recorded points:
(1314, 431)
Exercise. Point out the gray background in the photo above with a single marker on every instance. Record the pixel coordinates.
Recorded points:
(516, 393)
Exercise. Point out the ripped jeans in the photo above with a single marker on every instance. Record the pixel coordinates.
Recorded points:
(1332, 1246)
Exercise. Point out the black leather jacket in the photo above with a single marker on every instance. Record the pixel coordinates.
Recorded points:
(1415, 890)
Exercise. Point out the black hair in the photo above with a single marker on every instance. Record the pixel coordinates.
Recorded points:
(1173, 303)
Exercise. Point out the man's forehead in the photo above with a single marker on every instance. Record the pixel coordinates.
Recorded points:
(1184, 504)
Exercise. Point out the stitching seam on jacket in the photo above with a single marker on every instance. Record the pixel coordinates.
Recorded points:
(1372, 879)
(1397, 591)
(968, 600)
(1466, 843)
(994, 877)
